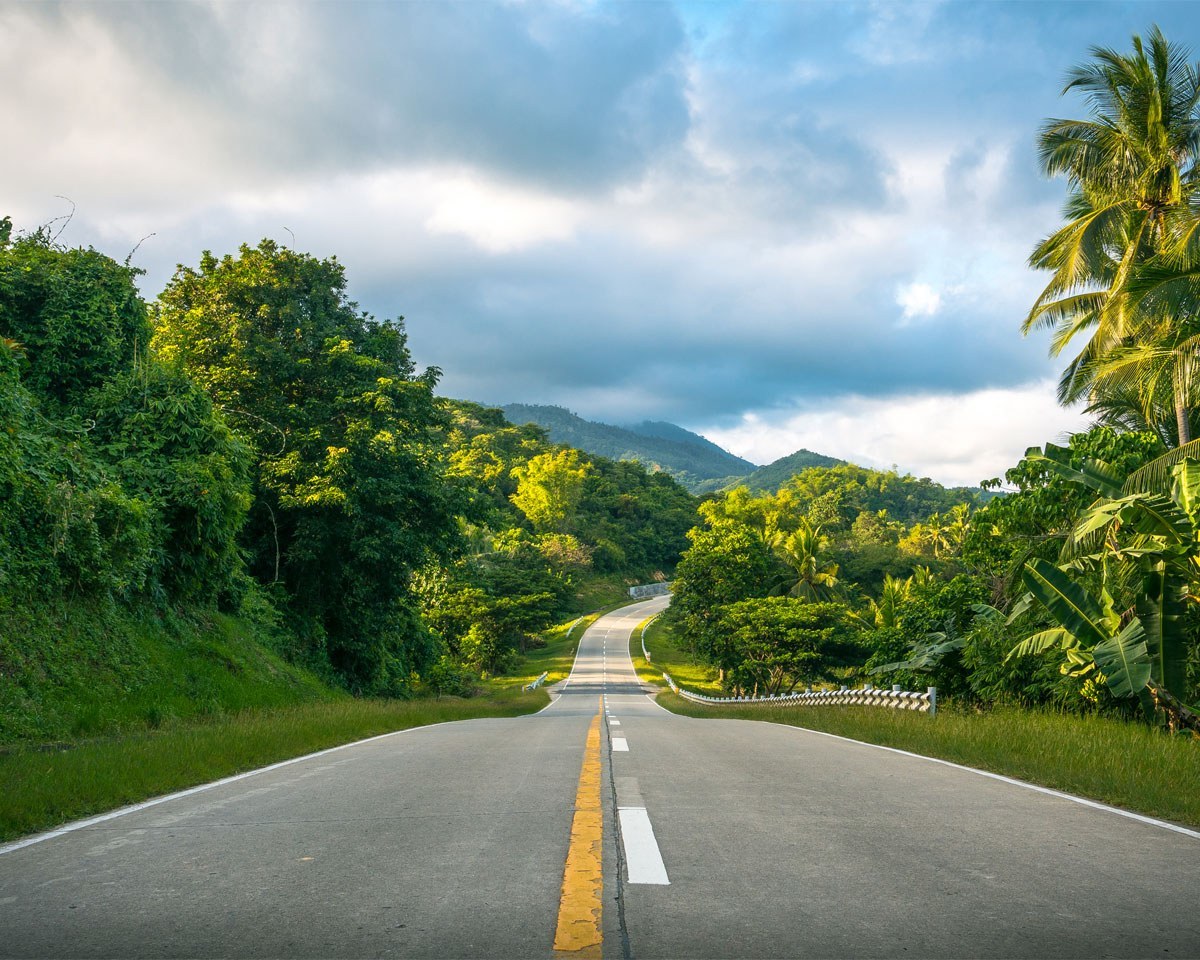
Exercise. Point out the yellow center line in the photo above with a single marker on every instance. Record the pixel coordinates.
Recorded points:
(579, 909)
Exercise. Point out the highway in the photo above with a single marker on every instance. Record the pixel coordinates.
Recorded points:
(606, 826)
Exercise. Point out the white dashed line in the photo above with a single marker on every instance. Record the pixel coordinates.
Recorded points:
(642, 857)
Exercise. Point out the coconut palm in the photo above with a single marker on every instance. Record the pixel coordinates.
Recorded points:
(813, 575)
(1132, 170)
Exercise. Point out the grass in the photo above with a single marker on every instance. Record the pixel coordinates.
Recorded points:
(72, 669)
(1123, 764)
(667, 655)
(42, 788)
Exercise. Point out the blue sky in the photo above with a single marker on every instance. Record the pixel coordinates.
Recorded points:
(781, 225)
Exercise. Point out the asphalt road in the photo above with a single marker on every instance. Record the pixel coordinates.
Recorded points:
(720, 839)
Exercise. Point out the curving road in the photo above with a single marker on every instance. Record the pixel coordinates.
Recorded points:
(711, 838)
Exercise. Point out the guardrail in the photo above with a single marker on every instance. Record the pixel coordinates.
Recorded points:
(537, 683)
(868, 696)
(645, 627)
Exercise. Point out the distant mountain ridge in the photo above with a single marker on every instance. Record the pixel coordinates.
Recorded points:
(774, 475)
(696, 462)
(687, 456)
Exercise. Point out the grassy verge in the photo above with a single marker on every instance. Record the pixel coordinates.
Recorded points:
(42, 788)
(73, 669)
(667, 655)
(1123, 764)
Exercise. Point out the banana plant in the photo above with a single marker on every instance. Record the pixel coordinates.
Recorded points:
(1155, 535)
(1090, 632)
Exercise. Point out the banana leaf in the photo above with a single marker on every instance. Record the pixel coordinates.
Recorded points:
(1041, 642)
(1124, 660)
(1073, 607)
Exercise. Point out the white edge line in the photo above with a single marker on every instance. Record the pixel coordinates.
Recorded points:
(1095, 804)
(200, 788)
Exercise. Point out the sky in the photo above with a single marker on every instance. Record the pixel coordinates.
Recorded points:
(781, 225)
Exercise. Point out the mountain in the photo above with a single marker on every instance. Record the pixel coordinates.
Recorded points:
(686, 456)
(770, 478)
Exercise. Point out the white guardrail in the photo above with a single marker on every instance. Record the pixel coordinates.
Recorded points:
(536, 683)
(645, 627)
(868, 696)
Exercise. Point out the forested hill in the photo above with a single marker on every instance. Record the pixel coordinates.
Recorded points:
(774, 475)
(686, 456)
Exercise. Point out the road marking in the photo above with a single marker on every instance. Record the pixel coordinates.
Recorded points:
(643, 860)
(620, 745)
(581, 904)
(615, 723)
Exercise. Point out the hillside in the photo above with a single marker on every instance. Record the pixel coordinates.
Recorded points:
(770, 478)
(687, 456)
(75, 668)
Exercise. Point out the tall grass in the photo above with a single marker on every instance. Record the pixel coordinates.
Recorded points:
(1128, 765)
(41, 788)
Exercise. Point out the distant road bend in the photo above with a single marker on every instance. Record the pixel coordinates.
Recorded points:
(605, 826)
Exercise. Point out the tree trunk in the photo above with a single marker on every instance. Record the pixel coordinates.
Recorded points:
(1178, 714)
(1181, 421)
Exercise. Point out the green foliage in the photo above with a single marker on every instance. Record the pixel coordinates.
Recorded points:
(549, 488)
(171, 450)
(1132, 174)
(771, 645)
(725, 563)
(76, 313)
(851, 490)
(1035, 520)
(351, 497)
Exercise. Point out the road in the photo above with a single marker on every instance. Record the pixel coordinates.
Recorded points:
(665, 837)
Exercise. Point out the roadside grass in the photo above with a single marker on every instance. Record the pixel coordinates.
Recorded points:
(41, 788)
(668, 655)
(1123, 764)
(73, 669)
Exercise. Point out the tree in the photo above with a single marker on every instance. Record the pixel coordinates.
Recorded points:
(805, 551)
(170, 448)
(77, 315)
(351, 495)
(769, 646)
(1155, 537)
(1131, 170)
(725, 563)
(549, 488)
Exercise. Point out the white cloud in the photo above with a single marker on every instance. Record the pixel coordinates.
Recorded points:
(918, 300)
(956, 439)
(500, 219)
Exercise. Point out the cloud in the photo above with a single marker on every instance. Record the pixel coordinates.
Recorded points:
(956, 439)
(184, 100)
(497, 218)
(683, 212)
(918, 300)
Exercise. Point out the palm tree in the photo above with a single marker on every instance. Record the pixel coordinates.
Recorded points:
(1132, 171)
(814, 577)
